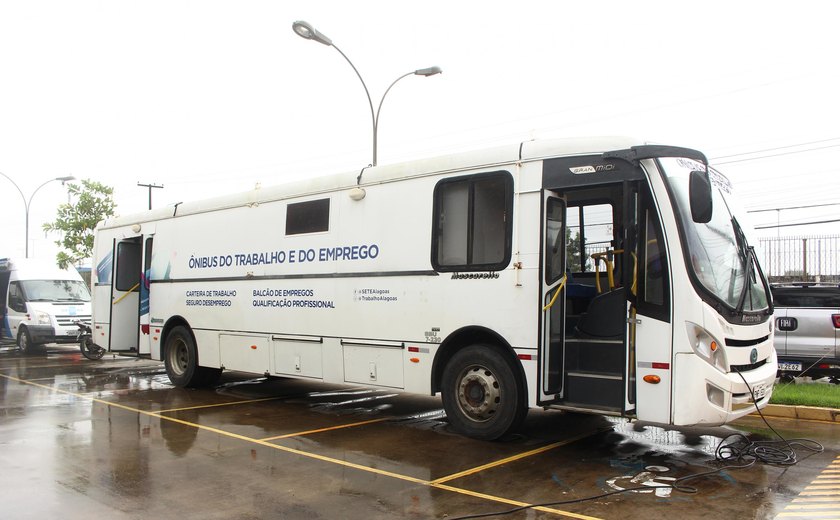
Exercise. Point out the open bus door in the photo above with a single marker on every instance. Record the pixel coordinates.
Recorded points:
(553, 302)
(121, 296)
(651, 326)
(584, 301)
(125, 295)
(129, 295)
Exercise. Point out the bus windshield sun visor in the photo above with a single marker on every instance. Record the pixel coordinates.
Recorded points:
(652, 151)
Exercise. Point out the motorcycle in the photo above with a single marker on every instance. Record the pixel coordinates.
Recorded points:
(89, 349)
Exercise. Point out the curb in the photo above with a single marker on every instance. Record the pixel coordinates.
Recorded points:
(809, 413)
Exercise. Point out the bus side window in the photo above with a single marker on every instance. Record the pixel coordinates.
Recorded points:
(472, 226)
(308, 217)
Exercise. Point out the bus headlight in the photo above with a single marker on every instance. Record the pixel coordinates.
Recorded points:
(707, 347)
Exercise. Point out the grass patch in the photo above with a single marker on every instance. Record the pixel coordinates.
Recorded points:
(807, 394)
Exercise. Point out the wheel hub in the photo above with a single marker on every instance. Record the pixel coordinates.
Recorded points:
(479, 393)
(178, 357)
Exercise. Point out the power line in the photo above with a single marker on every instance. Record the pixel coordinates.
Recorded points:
(795, 207)
(774, 149)
(799, 224)
(778, 154)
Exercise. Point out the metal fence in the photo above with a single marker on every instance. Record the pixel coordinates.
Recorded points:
(801, 259)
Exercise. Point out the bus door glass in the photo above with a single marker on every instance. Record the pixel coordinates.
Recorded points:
(651, 329)
(553, 301)
(125, 294)
(145, 332)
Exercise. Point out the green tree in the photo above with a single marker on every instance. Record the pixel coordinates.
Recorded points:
(573, 250)
(91, 203)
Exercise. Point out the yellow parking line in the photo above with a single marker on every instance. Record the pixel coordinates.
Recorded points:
(520, 456)
(230, 403)
(323, 458)
(319, 430)
(511, 502)
(808, 514)
(812, 507)
(293, 450)
(226, 433)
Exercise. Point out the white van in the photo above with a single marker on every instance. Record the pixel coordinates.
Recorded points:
(39, 303)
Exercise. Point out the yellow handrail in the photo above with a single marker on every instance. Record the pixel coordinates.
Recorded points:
(118, 300)
(605, 256)
(553, 298)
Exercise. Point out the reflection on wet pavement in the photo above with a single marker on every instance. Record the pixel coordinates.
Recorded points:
(115, 438)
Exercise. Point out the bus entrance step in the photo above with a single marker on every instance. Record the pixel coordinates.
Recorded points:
(588, 355)
(595, 388)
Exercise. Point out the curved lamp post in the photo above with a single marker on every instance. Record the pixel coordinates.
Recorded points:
(28, 203)
(305, 30)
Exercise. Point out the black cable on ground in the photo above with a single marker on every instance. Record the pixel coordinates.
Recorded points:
(739, 449)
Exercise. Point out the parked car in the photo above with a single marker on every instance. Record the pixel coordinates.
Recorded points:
(807, 329)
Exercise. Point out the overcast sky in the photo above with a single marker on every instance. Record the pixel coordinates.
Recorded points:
(209, 97)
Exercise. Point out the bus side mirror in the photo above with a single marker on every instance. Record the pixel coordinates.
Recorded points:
(700, 197)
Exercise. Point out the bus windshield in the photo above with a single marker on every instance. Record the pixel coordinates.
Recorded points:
(55, 291)
(718, 253)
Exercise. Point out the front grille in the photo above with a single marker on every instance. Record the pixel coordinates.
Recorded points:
(747, 368)
(745, 342)
(67, 320)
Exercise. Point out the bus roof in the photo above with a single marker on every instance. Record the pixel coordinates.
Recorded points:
(524, 151)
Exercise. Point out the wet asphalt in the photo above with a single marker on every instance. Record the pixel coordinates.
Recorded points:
(114, 439)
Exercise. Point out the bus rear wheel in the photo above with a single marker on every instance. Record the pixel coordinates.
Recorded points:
(181, 361)
(481, 394)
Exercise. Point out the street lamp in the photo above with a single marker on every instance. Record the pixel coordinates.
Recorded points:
(27, 203)
(306, 31)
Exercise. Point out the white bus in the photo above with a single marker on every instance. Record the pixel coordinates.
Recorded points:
(596, 275)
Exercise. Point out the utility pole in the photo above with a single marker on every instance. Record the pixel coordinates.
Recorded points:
(150, 186)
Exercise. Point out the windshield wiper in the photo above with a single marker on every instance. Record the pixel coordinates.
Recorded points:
(750, 264)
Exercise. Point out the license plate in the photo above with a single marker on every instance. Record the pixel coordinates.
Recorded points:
(790, 367)
(759, 391)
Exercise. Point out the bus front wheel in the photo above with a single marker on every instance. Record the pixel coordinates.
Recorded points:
(481, 395)
(181, 361)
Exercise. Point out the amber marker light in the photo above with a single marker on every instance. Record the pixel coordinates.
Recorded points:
(713, 346)
(652, 379)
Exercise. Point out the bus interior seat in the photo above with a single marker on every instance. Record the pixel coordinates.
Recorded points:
(604, 319)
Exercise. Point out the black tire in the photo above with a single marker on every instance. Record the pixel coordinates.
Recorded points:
(482, 396)
(180, 358)
(787, 378)
(91, 350)
(24, 341)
